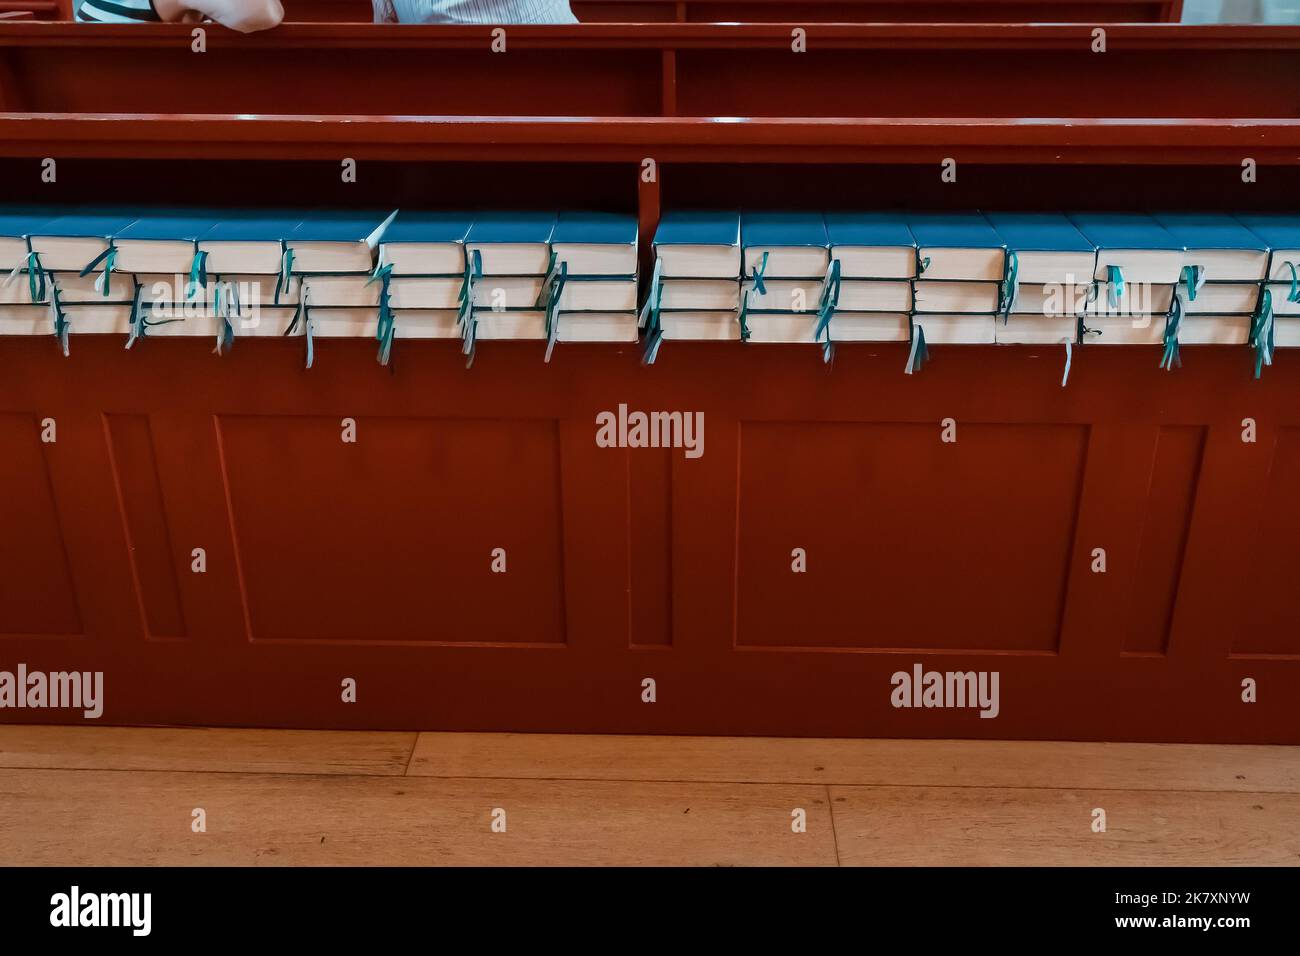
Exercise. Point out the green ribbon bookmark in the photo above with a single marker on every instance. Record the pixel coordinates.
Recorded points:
(465, 316)
(1114, 285)
(35, 277)
(650, 318)
(1294, 294)
(301, 314)
(826, 305)
(283, 280)
(553, 308)
(1173, 322)
(552, 262)
(759, 271)
(103, 285)
(386, 330)
(1193, 279)
(198, 274)
(387, 326)
(743, 315)
(1261, 332)
(921, 264)
(226, 329)
(918, 353)
(654, 339)
(308, 334)
(137, 328)
(62, 327)
(1010, 286)
(1069, 357)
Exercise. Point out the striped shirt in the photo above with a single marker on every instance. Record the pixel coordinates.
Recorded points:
(117, 11)
(472, 11)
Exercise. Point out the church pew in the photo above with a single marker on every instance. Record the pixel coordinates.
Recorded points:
(964, 70)
(636, 564)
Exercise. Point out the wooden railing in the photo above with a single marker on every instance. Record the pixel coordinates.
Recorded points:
(812, 11)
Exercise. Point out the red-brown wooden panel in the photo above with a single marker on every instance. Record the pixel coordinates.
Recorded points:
(1270, 615)
(155, 560)
(643, 576)
(37, 595)
(1165, 521)
(394, 536)
(884, 541)
(848, 70)
(900, 82)
(650, 534)
(251, 80)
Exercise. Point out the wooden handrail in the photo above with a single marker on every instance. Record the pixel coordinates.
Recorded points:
(669, 36)
(582, 138)
(810, 11)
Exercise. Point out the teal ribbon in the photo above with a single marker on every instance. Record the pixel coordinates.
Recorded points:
(1261, 332)
(1193, 279)
(308, 334)
(759, 286)
(61, 324)
(198, 274)
(301, 314)
(283, 280)
(1114, 285)
(387, 326)
(35, 277)
(226, 330)
(386, 331)
(654, 339)
(1010, 284)
(551, 263)
(918, 353)
(650, 318)
(297, 317)
(826, 305)
(465, 316)
(1173, 322)
(1294, 294)
(742, 316)
(141, 316)
(138, 329)
(109, 258)
(553, 308)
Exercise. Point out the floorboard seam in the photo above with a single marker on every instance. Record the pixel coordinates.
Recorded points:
(835, 840)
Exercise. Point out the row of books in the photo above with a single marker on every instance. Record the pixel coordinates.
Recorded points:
(496, 275)
(972, 277)
(952, 277)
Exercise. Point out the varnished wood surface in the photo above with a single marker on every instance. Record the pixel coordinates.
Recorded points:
(99, 796)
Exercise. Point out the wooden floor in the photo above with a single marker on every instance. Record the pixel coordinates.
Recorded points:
(102, 795)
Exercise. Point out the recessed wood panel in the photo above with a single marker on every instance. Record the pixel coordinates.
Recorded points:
(650, 542)
(153, 559)
(1271, 618)
(910, 542)
(392, 537)
(36, 591)
(1166, 521)
(571, 82)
